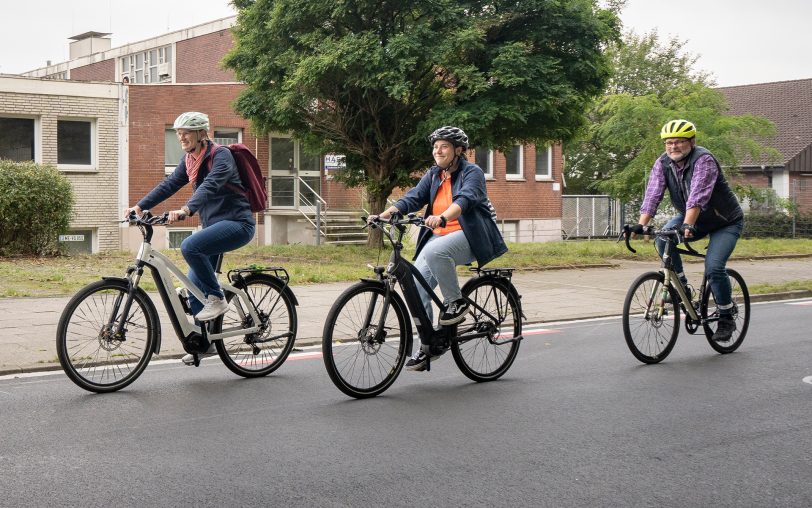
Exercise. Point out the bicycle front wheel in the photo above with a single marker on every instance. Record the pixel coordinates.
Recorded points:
(364, 353)
(486, 346)
(258, 354)
(94, 351)
(650, 321)
(741, 314)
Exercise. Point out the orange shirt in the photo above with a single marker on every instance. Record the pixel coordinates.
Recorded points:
(442, 201)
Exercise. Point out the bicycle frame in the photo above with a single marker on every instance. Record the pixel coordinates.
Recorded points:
(405, 273)
(163, 269)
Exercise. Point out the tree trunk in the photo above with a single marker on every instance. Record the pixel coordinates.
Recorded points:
(377, 204)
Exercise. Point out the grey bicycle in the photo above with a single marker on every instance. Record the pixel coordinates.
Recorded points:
(656, 300)
(110, 329)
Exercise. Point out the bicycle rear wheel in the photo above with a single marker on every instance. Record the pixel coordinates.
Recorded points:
(362, 356)
(650, 322)
(484, 349)
(260, 353)
(741, 314)
(94, 353)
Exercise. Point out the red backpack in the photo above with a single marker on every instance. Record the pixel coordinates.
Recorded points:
(250, 175)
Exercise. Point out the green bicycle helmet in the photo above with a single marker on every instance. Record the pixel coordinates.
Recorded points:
(678, 129)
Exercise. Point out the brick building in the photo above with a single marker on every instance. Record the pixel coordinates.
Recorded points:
(788, 104)
(180, 71)
(75, 127)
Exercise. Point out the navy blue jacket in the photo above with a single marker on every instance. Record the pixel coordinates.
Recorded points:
(469, 192)
(211, 198)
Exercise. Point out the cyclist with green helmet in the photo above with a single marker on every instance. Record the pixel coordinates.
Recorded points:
(225, 213)
(706, 206)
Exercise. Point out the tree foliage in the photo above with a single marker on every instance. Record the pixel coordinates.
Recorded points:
(371, 79)
(654, 82)
(35, 207)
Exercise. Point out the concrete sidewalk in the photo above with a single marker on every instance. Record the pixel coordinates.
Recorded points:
(28, 325)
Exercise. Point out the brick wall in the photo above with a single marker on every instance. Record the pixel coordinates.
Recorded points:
(153, 109)
(197, 60)
(95, 191)
(99, 71)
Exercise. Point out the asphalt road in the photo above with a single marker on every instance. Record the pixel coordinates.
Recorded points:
(577, 421)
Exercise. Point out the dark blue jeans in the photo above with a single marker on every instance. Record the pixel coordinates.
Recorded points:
(722, 243)
(202, 249)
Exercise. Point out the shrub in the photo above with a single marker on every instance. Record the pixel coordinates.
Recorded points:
(35, 207)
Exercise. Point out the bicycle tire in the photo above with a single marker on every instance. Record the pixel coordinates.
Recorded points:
(650, 337)
(481, 359)
(741, 312)
(242, 354)
(91, 352)
(361, 362)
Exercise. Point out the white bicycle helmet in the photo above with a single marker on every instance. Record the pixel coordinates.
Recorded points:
(193, 121)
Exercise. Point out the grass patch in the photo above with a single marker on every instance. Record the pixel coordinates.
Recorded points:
(64, 275)
(796, 285)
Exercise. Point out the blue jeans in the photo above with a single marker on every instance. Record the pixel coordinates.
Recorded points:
(202, 249)
(437, 263)
(722, 243)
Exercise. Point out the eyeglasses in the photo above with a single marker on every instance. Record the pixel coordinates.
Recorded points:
(675, 142)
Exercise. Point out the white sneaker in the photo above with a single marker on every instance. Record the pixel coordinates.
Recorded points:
(215, 306)
(190, 359)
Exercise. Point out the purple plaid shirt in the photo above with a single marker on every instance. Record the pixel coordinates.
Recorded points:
(702, 182)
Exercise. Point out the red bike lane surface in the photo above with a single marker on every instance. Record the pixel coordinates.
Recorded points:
(28, 325)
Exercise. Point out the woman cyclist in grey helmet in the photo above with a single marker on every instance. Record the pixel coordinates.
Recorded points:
(463, 226)
(225, 214)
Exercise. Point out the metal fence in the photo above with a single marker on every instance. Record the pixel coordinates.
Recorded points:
(590, 217)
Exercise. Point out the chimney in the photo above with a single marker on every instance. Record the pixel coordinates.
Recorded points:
(88, 43)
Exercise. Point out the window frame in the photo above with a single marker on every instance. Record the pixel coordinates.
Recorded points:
(94, 145)
(150, 60)
(228, 130)
(548, 177)
(520, 162)
(37, 132)
(489, 171)
(169, 232)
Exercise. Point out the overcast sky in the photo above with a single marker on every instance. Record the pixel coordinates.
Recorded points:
(739, 41)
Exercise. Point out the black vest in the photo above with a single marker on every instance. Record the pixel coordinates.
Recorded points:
(722, 209)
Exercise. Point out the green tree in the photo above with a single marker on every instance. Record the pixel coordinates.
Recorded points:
(35, 207)
(654, 82)
(371, 79)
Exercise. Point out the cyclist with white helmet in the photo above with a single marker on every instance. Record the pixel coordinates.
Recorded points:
(225, 213)
(706, 206)
(463, 226)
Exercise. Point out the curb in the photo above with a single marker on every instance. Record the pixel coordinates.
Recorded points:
(310, 341)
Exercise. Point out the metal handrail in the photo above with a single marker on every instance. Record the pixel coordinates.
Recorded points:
(321, 210)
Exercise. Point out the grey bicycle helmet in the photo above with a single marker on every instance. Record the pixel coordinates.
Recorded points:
(193, 121)
(448, 133)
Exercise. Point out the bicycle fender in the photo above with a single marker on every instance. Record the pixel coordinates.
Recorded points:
(125, 281)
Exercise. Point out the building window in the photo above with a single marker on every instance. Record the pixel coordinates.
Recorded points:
(176, 237)
(172, 151)
(514, 163)
(150, 66)
(227, 136)
(17, 137)
(75, 144)
(484, 159)
(544, 163)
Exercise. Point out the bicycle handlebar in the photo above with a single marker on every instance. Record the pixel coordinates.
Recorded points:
(147, 219)
(650, 231)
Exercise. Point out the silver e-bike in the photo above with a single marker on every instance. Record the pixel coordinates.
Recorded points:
(110, 329)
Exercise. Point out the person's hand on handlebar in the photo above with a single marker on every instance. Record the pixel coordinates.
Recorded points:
(435, 221)
(636, 229)
(178, 215)
(133, 209)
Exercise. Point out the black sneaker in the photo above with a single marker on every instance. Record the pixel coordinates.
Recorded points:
(454, 313)
(725, 329)
(419, 362)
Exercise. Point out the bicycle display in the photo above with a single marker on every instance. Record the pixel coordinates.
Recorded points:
(368, 332)
(656, 301)
(110, 329)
